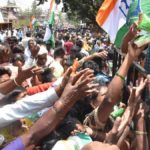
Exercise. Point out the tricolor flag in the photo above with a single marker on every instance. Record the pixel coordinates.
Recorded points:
(135, 8)
(49, 35)
(116, 16)
(112, 16)
(34, 23)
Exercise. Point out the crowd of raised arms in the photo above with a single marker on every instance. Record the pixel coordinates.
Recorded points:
(66, 98)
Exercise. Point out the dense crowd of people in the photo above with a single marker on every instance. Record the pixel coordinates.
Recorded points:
(66, 97)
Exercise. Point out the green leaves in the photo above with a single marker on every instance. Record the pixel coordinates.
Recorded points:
(83, 10)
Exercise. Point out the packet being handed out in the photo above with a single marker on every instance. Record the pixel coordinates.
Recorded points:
(142, 39)
(143, 24)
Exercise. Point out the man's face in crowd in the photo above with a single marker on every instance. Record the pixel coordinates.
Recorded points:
(12, 44)
(42, 60)
(34, 48)
(31, 44)
(73, 54)
(5, 55)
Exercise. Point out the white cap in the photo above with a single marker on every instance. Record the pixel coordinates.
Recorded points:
(42, 50)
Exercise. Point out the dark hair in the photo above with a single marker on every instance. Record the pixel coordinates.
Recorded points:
(46, 75)
(81, 109)
(62, 132)
(79, 43)
(12, 96)
(28, 34)
(14, 39)
(68, 125)
(60, 36)
(80, 55)
(18, 49)
(58, 43)
(66, 37)
(91, 65)
(40, 41)
(40, 35)
(5, 71)
(59, 52)
(19, 57)
(75, 49)
(99, 62)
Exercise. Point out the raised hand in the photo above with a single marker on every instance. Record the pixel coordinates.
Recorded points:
(102, 54)
(27, 73)
(66, 77)
(134, 51)
(143, 108)
(133, 31)
(64, 81)
(79, 86)
(111, 136)
(140, 85)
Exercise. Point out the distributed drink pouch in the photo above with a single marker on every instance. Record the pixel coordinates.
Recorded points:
(143, 24)
(118, 113)
(142, 40)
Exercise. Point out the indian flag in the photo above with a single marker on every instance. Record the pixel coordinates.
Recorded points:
(116, 16)
(112, 16)
(135, 8)
(34, 23)
(49, 35)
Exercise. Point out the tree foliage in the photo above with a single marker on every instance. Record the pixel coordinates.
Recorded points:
(84, 10)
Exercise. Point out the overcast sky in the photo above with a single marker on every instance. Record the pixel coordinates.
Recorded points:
(25, 3)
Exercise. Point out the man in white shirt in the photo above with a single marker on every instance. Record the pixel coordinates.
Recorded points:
(57, 65)
(27, 106)
(43, 59)
(26, 40)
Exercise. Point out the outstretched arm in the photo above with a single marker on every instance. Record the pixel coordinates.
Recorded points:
(140, 127)
(10, 85)
(77, 87)
(116, 85)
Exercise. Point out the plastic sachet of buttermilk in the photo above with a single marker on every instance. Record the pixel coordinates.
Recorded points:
(143, 24)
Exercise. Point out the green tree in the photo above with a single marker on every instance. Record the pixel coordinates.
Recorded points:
(84, 10)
